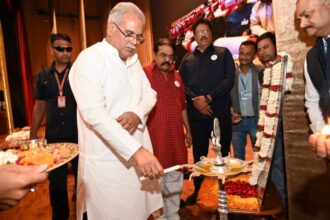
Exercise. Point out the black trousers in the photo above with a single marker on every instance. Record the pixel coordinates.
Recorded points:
(201, 133)
(85, 216)
(58, 189)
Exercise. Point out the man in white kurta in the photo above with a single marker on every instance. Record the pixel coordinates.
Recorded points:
(110, 86)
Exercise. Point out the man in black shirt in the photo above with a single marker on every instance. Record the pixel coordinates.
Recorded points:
(208, 74)
(54, 97)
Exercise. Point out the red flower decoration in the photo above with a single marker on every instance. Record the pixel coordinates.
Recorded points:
(240, 188)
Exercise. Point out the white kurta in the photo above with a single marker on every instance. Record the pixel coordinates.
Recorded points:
(105, 87)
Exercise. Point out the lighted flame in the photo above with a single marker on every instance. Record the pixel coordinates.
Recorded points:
(326, 128)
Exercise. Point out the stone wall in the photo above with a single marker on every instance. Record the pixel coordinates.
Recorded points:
(308, 177)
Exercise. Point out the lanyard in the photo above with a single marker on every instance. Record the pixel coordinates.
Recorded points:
(61, 84)
(245, 84)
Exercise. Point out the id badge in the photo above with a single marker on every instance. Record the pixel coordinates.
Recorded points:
(245, 95)
(61, 101)
(245, 22)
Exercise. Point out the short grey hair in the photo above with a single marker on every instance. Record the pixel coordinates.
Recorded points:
(123, 8)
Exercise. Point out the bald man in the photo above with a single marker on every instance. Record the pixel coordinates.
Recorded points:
(314, 16)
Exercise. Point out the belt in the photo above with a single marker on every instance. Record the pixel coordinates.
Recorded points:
(247, 117)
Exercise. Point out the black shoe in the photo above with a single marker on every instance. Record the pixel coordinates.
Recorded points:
(191, 200)
(186, 175)
(182, 204)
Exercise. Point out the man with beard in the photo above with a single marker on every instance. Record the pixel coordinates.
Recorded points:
(314, 16)
(114, 98)
(245, 99)
(168, 117)
(55, 99)
(208, 74)
(266, 44)
(238, 22)
(262, 18)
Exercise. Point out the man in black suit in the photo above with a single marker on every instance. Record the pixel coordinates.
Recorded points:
(314, 18)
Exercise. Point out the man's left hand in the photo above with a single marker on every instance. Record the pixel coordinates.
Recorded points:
(129, 121)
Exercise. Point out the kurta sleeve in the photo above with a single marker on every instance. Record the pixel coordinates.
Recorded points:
(148, 99)
(312, 103)
(87, 83)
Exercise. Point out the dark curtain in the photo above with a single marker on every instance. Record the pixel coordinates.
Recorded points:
(27, 81)
(18, 62)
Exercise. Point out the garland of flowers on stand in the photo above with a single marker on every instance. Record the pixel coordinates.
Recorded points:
(269, 113)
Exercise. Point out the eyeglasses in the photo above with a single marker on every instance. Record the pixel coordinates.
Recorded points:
(128, 36)
(202, 32)
(62, 49)
(164, 56)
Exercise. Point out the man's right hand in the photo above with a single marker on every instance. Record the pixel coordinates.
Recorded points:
(147, 164)
(235, 117)
(200, 103)
(33, 136)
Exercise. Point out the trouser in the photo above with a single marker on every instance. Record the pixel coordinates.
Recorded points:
(58, 184)
(201, 133)
(248, 126)
(278, 173)
(171, 186)
(85, 216)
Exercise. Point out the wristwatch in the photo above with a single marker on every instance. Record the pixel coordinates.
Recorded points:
(208, 100)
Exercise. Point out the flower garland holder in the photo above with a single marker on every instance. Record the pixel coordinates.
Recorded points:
(278, 79)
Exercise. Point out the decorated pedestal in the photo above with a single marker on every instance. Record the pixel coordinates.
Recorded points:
(239, 192)
(217, 171)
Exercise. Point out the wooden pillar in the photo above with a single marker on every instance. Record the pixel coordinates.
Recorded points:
(54, 28)
(82, 24)
(4, 79)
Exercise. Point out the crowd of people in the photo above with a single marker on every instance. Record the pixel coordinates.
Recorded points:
(132, 121)
(250, 17)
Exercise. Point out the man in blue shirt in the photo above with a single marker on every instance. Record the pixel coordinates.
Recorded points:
(245, 99)
(238, 22)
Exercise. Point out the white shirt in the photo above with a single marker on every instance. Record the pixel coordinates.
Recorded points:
(312, 98)
(105, 87)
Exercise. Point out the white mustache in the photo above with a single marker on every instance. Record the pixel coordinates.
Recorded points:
(132, 47)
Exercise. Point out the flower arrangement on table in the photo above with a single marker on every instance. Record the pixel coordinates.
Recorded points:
(240, 194)
(269, 112)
